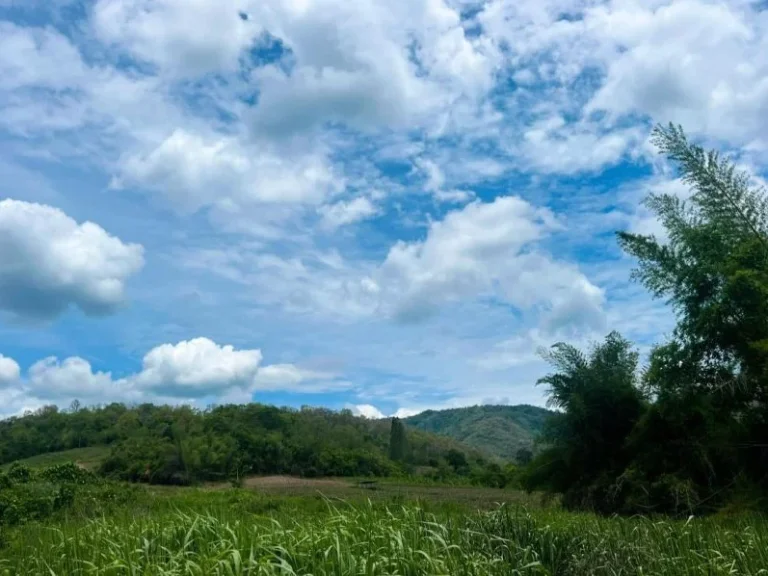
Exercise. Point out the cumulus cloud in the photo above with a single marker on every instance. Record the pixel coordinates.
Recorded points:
(278, 124)
(355, 63)
(189, 371)
(701, 64)
(55, 381)
(485, 248)
(39, 57)
(195, 368)
(9, 372)
(161, 32)
(193, 172)
(367, 411)
(51, 262)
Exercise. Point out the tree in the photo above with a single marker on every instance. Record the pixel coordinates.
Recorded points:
(710, 379)
(523, 456)
(600, 404)
(397, 441)
(457, 460)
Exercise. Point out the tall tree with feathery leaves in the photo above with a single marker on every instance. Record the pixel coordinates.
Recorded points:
(710, 381)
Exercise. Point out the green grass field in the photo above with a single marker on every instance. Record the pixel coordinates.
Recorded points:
(284, 526)
(89, 458)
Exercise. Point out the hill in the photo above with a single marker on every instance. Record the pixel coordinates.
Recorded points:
(497, 430)
(181, 445)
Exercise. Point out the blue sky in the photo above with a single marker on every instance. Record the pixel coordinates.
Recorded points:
(387, 206)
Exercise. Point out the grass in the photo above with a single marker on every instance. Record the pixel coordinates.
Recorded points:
(344, 539)
(89, 458)
(257, 530)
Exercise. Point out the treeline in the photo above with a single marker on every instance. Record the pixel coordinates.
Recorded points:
(689, 433)
(182, 445)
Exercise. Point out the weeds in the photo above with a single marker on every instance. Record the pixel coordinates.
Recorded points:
(368, 539)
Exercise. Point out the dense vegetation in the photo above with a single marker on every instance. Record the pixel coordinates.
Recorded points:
(502, 431)
(181, 445)
(690, 433)
(235, 532)
(28, 495)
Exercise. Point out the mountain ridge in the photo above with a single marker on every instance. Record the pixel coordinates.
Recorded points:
(498, 430)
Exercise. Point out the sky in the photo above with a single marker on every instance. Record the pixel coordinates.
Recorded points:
(386, 206)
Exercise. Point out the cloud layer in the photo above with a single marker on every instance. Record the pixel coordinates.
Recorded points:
(193, 371)
(398, 201)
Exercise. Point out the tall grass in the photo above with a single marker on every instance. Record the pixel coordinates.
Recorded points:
(369, 539)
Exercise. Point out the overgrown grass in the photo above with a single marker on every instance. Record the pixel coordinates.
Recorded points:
(110, 528)
(235, 532)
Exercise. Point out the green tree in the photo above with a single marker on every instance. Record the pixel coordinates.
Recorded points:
(457, 460)
(397, 441)
(710, 379)
(523, 456)
(599, 405)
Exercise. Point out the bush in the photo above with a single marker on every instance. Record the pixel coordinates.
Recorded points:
(69, 473)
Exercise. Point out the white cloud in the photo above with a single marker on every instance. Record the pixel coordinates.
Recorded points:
(52, 381)
(51, 262)
(196, 368)
(9, 372)
(372, 413)
(193, 172)
(367, 411)
(354, 64)
(185, 37)
(553, 145)
(407, 412)
(435, 184)
(485, 248)
(294, 378)
(702, 64)
(292, 149)
(190, 371)
(454, 196)
(342, 213)
(39, 57)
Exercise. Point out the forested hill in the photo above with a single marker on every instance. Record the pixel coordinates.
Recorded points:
(180, 445)
(498, 430)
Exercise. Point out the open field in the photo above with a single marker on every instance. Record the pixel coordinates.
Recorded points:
(281, 525)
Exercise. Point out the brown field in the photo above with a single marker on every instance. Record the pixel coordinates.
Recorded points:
(351, 489)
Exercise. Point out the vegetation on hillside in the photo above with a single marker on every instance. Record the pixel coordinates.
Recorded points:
(689, 433)
(181, 445)
(500, 431)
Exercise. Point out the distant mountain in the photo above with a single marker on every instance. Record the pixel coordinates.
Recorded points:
(497, 430)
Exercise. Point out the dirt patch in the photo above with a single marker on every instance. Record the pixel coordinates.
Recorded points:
(292, 482)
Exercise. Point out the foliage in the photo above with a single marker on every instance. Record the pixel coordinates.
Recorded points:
(600, 405)
(699, 438)
(345, 539)
(499, 431)
(181, 445)
(27, 494)
(523, 456)
(397, 441)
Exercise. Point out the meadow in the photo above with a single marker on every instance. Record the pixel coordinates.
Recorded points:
(279, 525)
